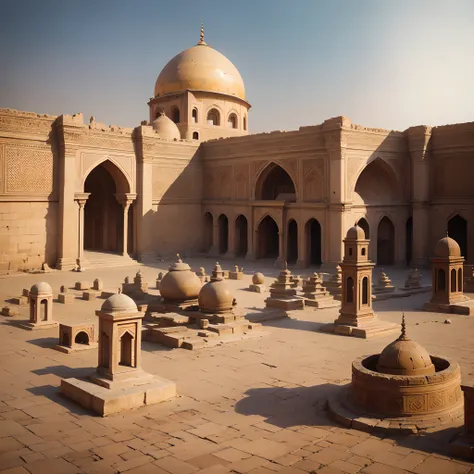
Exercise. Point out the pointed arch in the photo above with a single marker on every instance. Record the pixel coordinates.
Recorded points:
(364, 225)
(313, 241)
(267, 238)
(273, 183)
(121, 178)
(292, 242)
(241, 232)
(376, 183)
(457, 230)
(385, 242)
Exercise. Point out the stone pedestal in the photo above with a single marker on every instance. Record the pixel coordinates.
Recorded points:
(236, 274)
(315, 294)
(119, 383)
(334, 285)
(82, 285)
(283, 294)
(383, 285)
(463, 445)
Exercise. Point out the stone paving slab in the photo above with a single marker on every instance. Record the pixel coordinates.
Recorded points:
(254, 406)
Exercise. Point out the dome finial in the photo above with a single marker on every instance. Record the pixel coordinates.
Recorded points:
(201, 35)
(403, 335)
(179, 258)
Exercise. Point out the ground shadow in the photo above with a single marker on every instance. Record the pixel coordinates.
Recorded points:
(307, 406)
(46, 342)
(64, 371)
(52, 393)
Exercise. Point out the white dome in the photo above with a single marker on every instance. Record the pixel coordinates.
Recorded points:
(166, 128)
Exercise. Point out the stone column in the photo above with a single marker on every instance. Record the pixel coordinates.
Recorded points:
(69, 130)
(418, 143)
(81, 199)
(125, 199)
(214, 251)
(335, 140)
(302, 261)
(281, 250)
(230, 239)
(251, 238)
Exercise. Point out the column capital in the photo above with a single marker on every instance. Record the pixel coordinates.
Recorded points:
(125, 199)
(81, 198)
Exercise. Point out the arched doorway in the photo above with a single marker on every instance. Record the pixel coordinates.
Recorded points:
(408, 240)
(208, 231)
(274, 183)
(126, 350)
(241, 236)
(103, 215)
(457, 230)
(385, 242)
(267, 239)
(292, 242)
(364, 225)
(223, 224)
(313, 242)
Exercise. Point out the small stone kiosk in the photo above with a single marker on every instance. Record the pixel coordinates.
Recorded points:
(119, 382)
(447, 280)
(41, 307)
(403, 389)
(283, 293)
(356, 316)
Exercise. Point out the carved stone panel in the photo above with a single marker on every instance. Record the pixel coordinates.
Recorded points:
(241, 182)
(313, 180)
(28, 170)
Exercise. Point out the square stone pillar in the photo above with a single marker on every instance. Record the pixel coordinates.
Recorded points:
(125, 199)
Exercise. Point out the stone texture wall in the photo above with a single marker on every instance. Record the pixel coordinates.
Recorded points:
(28, 190)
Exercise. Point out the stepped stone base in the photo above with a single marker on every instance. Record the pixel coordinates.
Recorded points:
(38, 326)
(287, 304)
(464, 308)
(133, 393)
(365, 330)
(75, 347)
(322, 303)
(343, 411)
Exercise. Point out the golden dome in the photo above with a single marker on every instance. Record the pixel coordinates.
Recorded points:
(200, 68)
(166, 128)
(447, 247)
(355, 233)
(215, 296)
(180, 283)
(405, 357)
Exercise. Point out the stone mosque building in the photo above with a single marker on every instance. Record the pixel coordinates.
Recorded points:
(193, 180)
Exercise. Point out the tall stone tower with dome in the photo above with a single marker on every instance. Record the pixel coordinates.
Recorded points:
(203, 93)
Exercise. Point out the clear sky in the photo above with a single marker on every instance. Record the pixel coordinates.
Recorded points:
(388, 64)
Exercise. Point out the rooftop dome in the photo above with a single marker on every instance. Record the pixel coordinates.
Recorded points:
(405, 357)
(166, 128)
(180, 283)
(215, 296)
(355, 233)
(200, 68)
(119, 302)
(447, 247)
(41, 288)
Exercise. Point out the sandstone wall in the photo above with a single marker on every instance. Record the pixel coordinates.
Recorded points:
(28, 190)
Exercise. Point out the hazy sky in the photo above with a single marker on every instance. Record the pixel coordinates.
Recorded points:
(387, 64)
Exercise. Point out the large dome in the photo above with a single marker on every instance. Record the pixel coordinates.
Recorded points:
(200, 68)
(405, 357)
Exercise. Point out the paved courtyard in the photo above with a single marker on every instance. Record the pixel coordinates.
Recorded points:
(257, 406)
